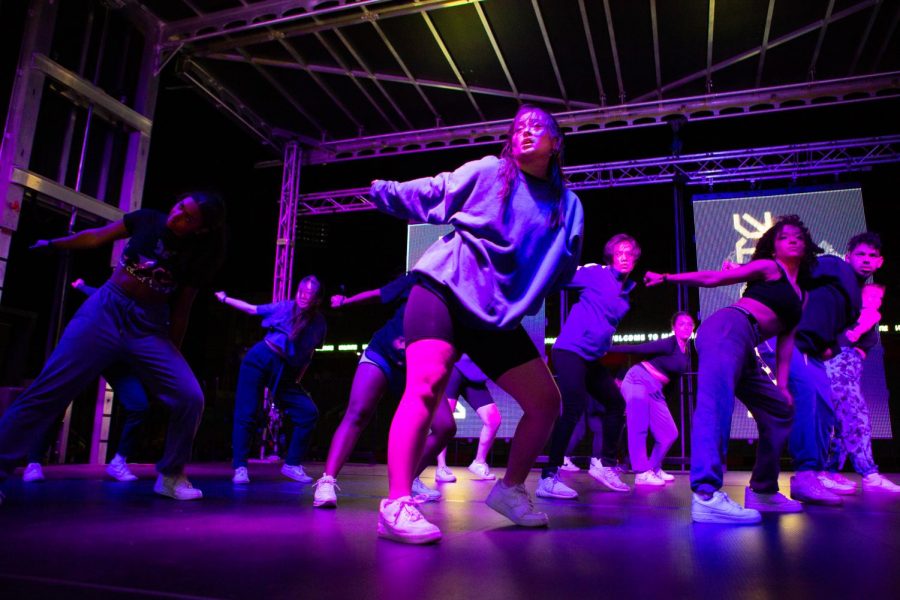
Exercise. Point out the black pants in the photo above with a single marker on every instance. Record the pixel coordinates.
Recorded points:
(578, 377)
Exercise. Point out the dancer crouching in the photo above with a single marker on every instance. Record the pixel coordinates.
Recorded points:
(278, 362)
(517, 234)
(771, 306)
(138, 317)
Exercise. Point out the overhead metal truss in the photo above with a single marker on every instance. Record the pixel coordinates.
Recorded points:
(699, 108)
(754, 164)
(287, 224)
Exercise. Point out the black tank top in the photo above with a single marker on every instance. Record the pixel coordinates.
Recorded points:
(780, 296)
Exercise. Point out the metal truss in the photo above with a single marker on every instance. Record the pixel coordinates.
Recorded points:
(287, 224)
(755, 164)
(698, 108)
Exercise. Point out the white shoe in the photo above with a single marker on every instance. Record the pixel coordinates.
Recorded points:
(241, 476)
(552, 487)
(667, 477)
(875, 482)
(481, 470)
(515, 504)
(296, 473)
(177, 487)
(118, 469)
(568, 465)
(776, 502)
(607, 476)
(806, 487)
(33, 472)
(444, 475)
(419, 489)
(834, 485)
(401, 521)
(649, 478)
(722, 509)
(325, 496)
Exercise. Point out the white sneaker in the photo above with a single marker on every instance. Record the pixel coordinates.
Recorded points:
(721, 509)
(296, 473)
(177, 487)
(325, 496)
(33, 472)
(552, 487)
(835, 486)
(649, 478)
(481, 470)
(607, 476)
(875, 482)
(806, 487)
(776, 502)
(568, 465)
(444, 475)
(419, 489)
(834, 475)
(401, 521)
(667, 477)
(118, 469)
(516, 504)
(241, 476)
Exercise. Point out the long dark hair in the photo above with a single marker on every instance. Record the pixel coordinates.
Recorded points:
(509, 170)
(301, 317)
(765, 247)
(208, 249)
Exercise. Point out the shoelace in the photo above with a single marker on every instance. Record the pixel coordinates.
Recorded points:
(410, 507)
(332, 483)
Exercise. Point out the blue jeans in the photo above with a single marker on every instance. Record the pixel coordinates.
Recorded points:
(262, 368)
(811, 435)
(130, 393)
(109, 327)
(728, 367)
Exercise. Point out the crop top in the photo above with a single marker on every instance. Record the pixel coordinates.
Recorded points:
(780, 296)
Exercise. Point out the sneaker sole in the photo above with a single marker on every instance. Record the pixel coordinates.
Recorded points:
(537, 523)
(325, 504)
(721, 520)
(426, 538)
(816, 501)
(175, 496)
(554, 496)
(879, 490)
(776, 508)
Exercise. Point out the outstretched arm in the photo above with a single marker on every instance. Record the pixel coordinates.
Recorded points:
(367, 297)
(755, 269)
(89, 238)
(242, 306)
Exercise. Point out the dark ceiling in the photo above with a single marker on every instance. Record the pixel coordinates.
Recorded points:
(342, 71)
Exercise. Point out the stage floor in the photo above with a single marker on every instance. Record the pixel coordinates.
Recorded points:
(78, 535)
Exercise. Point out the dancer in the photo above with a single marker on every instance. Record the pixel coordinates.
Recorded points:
(665, 361)
(382, 368)
(278, 362)
(138, 318)
(516, 238)
(852, 436)
(771, 306)
(585, 337)
(468, 381)
(834, 304)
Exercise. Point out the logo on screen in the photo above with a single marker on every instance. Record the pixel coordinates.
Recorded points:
(749, 228)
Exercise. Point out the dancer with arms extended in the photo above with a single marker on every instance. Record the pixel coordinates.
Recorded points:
(516, 238)
(771, 306)
(138, 317)
(382, 368)
(295, 329)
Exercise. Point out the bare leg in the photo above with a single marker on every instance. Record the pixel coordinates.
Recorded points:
(534, 389)
(442, 455)
(428, 365)
(369, 384)
(490, 418)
